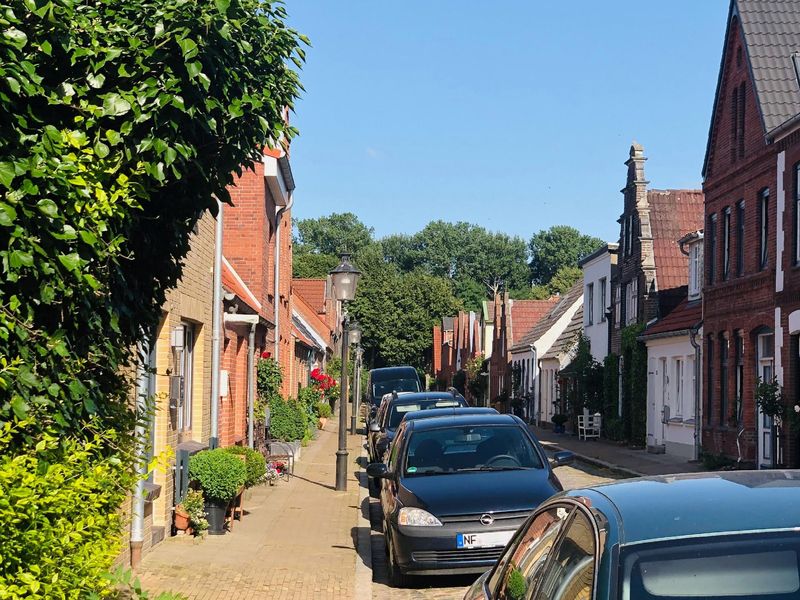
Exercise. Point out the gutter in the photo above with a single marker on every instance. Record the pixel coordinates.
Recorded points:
(697, 371)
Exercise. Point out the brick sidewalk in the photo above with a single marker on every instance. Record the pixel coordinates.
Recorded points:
(610, 455)
(297, 540)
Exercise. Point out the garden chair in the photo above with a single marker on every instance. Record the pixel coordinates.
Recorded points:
(589, 425)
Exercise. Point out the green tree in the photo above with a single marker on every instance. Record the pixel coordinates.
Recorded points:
(312, 265)
(332, 235)
(557, 247)
(121, 123)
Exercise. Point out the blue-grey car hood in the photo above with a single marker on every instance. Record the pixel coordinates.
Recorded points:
(478, 492)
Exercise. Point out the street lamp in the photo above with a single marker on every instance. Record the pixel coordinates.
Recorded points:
(355, 339)
(344, 278)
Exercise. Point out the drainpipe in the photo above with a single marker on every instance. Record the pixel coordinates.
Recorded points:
(277, 274)
(216, 327)
(137, 508)
(697, 371)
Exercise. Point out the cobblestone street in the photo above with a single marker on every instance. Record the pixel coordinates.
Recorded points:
(453, 588)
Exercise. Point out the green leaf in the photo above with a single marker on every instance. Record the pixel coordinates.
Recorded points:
(6, 173)
(16, 37)
(7, 214)
(48, 207)
(70, 261)
(115, 105)
(96, 81)
(53, 390)
(188, 47)
(92, 281)
(222, 5)
(47, 48)
(88, 237)
(194, 68)
(13, 84)
(18, 259)
(113, 137)
(20, 407)
(101, 150)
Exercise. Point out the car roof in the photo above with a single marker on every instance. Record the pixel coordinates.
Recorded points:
(384, 373)
(412, 397)
(667, 506)
(455, 411)
(462, 420)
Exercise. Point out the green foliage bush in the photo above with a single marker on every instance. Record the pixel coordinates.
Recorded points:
(255, 463)
(323, 410)
(634, 386)
(219, 474)
(288, 420)
(58, 515)
(269, 377)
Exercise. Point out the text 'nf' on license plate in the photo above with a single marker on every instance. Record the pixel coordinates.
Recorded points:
(489, 539)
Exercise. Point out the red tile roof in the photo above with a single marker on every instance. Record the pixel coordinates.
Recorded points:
(312, 291)
(673, 214)
(685, 316)
(525, 314)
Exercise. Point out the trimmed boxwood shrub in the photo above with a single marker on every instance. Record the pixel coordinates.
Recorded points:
(220, 474)
(255, 463)
(288, 420)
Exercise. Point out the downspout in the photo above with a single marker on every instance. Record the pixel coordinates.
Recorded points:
(697, 371)
(216, 328)
(251, 383)
(277, 272)
(137, 508)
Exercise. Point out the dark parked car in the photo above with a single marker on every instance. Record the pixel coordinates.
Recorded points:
(456, 488)
(392, 410)
(390, 379)
(708, 535)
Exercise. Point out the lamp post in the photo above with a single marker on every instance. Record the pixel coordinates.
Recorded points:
(344, 278)
(355, 340)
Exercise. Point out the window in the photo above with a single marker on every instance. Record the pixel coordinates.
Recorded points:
(528, 553)
(710, 382)
(603, 301)
(740, 238)
(617, 306)
(629, 245)
(739, 391)
(726, 243)
(695, 271)
(763, 222)
(723, 380)
(738, 102)
(186, 371)
(589, 304)
(679, 364)
(569, 575)
(632, 301)
(711, 236)
(797, 214)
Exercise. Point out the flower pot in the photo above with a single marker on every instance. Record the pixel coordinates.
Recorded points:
(322, 421)
(216, 510)
(181, 519)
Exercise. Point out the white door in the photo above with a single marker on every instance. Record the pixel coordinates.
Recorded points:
(766, 373)
(652, 405)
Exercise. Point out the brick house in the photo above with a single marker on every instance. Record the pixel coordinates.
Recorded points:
(751, 301)
(313, 340)
(512, 320)
(650, 278)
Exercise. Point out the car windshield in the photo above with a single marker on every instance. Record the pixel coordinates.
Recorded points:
(381, 388)
(742, 566)
(400, 410)
(470, 448)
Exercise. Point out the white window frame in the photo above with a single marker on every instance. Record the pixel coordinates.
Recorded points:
(618, 307)
(695, 271)
(679, 386)
(603, 302)
(589, 304)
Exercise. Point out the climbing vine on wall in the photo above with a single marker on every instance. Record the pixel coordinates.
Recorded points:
(634, 386)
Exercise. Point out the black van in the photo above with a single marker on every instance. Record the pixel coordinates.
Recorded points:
(391, 379)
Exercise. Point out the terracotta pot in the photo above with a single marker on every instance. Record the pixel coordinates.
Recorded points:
(181, 519)
(322, 421)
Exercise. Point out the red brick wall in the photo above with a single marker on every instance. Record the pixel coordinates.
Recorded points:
(742, 303)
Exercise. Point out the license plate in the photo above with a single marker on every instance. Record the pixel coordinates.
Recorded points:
(489, 539)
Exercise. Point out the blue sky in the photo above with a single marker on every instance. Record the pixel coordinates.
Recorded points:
(515, 114)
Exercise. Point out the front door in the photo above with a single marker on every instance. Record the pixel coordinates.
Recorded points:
(766, 372)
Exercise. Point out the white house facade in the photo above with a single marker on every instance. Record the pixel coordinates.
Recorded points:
(597, 272)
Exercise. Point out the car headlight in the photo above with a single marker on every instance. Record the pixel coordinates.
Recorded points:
(416, 517)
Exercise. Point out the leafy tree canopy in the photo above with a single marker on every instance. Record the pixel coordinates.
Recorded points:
(557, 247)
(332, 235)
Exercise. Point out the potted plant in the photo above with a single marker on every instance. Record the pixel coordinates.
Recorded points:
(194, 506)
(255, 464)
(221, 475)
(271, 474)
(181, 520)
(558, 422)
(323, 410)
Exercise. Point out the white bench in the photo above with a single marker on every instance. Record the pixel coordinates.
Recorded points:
(589, 426)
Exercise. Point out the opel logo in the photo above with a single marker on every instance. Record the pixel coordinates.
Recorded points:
(487, 519)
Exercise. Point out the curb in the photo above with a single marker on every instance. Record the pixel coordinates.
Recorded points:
(594, 461)
(363, 582)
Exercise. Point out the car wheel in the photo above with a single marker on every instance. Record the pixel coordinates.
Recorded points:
(396, 577)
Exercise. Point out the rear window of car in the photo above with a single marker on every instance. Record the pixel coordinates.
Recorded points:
(743, 566)
(470, 448)
(400, 410)
(381, 388)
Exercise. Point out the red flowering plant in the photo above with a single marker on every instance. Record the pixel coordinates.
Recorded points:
(322, 382)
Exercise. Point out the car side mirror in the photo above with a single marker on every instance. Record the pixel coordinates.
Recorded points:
(374, 427)
(378, 471)
(562, 458)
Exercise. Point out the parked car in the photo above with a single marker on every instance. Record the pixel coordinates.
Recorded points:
(390, 379)
(392, 410)
(456, 488)
(707, 535)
